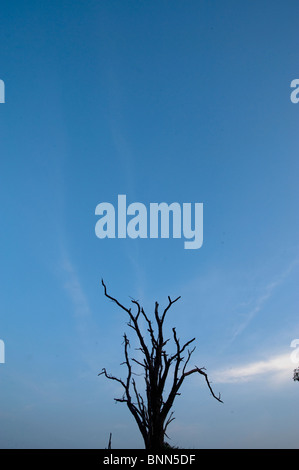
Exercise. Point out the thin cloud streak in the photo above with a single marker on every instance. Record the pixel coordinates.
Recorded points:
(262, 299)
(74, 289)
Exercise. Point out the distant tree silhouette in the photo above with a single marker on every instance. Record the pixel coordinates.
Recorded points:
(296, 374)
(152, 411)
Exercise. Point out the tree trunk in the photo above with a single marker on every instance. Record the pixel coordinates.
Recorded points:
(155, 440)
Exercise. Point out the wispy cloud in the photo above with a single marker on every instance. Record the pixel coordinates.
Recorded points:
(74, 289)
(262, 299)
(277, 367)
(82, 314)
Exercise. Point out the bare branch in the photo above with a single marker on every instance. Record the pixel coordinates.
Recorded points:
(201, 371)
(188, 358)
(128, 310)
(179, 349)
(135, 325)
(171, 302)
(170, 419)
(111, 377)
(139, 363)
(139, 308)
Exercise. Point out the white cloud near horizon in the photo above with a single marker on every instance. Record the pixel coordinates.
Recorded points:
(279, 368)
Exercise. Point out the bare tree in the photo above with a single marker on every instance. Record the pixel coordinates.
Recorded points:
(296, 374)
(152, 412)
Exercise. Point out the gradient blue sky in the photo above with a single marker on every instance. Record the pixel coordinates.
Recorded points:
(161, 101)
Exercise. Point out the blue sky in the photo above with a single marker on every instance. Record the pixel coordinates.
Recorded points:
(164, 102)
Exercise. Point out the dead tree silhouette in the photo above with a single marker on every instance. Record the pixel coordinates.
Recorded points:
(152, 412)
